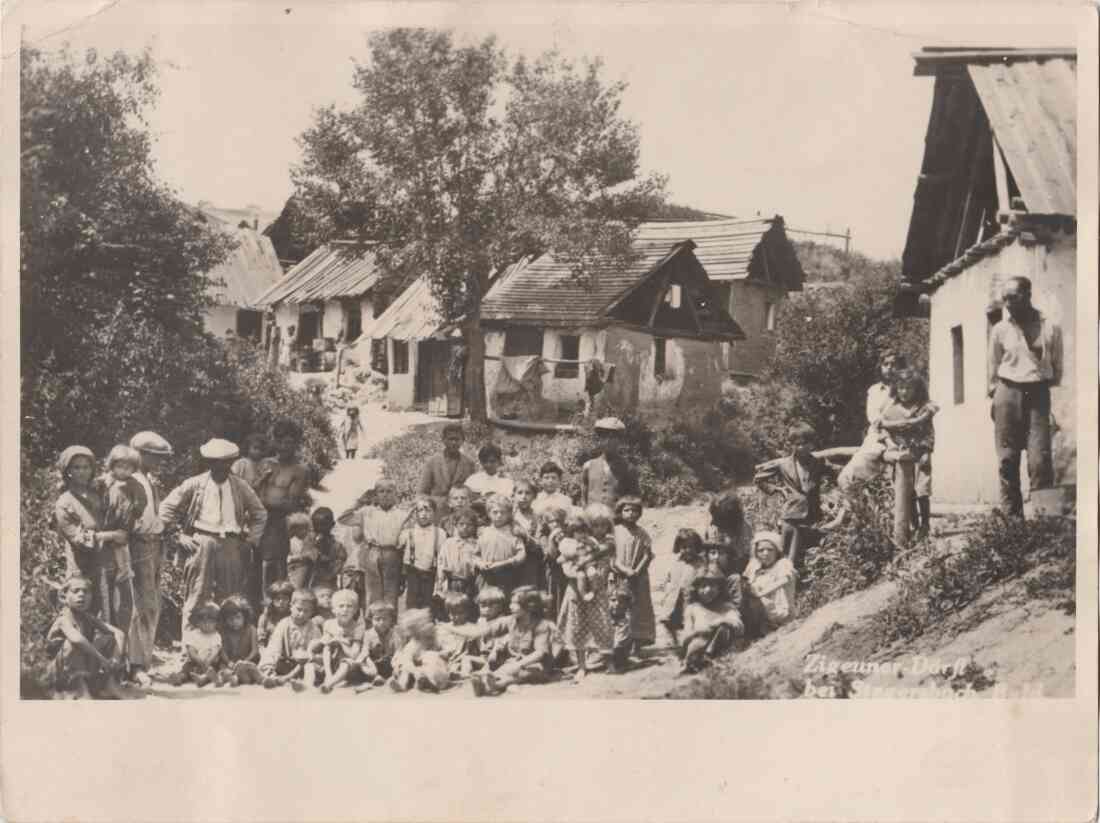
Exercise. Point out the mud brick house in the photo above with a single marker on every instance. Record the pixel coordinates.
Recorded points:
(659, 321)
(752, 265)
(240, 281)
(330, 294)
(996, 198)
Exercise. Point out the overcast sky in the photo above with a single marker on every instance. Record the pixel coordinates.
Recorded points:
(815, 115)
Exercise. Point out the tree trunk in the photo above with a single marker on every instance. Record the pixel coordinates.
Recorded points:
(475, 367)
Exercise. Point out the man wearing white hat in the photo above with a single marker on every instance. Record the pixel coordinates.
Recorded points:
(218, 515)
(147, 555)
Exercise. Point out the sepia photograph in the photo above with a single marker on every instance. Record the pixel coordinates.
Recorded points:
(369, 358)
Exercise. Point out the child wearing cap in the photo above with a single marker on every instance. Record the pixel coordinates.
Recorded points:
(607, 476)
(770, 579)
(125, 498)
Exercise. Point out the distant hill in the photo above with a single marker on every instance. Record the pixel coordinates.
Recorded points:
(824, 263)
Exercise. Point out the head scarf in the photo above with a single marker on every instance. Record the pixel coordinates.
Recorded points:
(67, 457)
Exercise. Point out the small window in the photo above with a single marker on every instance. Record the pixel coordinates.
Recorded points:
(522, 340)
(674, 295)
(957, 361)
(769, 316)
(400, 357)
(378, 356)
(659, 357)
(570, 350)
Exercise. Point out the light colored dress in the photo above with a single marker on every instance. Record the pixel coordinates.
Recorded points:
(455, 566)
(493, 546)
(774, 588)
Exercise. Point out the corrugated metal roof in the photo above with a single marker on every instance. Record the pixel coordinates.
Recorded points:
(1032, 108)
(414, 315)
(249, 271)
(332, 271)
(724, 247)
(546, 291)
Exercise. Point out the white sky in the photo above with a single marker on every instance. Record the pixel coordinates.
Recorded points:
(786, 110)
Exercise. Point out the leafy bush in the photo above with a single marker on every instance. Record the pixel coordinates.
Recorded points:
(717, 682)
(998, 549)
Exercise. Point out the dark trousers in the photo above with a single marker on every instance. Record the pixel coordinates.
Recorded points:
(1021, 421)
(147, 557)
(269, 557)
(419, 585)
(797, 537)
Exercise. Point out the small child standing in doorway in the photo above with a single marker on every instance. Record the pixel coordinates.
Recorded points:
(350, 429)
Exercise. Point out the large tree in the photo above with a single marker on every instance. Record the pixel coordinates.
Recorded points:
(459, 160)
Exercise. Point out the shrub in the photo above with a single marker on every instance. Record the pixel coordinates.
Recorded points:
(998, 549)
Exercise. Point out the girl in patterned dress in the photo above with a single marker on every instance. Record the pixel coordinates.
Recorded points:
(633, 554)
(586, 624)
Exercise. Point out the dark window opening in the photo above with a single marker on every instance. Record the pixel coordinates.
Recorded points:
(400, 357)
(353, 321)
(957, 360)
(522, 340)
(378, 356)
(659, 357)
(570, 350)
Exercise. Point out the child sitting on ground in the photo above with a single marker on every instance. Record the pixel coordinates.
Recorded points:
(419, 662)
(278, 607)
(324, 611)
(523, 652)
(633, 554)
(711, 620)
(125, 499)
(463, 653)
(500, 552)
(299, 562)
(85, 652)
(731, 529)
(329, 552)
(770, 580)
(687, 550)
(526, 528)
(456, 568)
(289, 655)
(379, 645)
(489, 480)
(342, 641)
(250, 467)
(203, 656)
(420, 545)
(550, 495)
(239, 644)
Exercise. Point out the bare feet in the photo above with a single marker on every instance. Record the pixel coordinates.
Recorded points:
(142, 678)
(580, 675)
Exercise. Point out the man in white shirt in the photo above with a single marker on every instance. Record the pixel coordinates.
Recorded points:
(147, 556)
(1025, 360)
(220, 519)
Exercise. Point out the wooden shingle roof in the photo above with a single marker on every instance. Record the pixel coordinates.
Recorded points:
(333, 271)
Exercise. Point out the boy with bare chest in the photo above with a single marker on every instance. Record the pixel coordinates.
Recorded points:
(282, 490)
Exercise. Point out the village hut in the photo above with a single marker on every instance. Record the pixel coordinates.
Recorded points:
(996, 198)
(651, 332)
(238, 283)
(752, 265)
(326, 298)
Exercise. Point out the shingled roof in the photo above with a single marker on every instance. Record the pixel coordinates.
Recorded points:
(333, 271)
(249, 271)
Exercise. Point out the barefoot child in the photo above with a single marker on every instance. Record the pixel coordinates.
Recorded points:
(798, 477)
(633, 554)
(526, 528)
(299, 562)
(379, 645)
(342, 641)
(500, 552)
(278, 608)
(551, 533)
(86, 652)
(620, 606)
(524, 654)
(907, 421)
(687, 549)
(350, 429)
(420, 545)
(419, 662)
(577, 553)
(378, 528)
(288, 655)
(586, 623)
(711, 620)
(771, 581)
(463, 652)
(203, 657)
(242, 651)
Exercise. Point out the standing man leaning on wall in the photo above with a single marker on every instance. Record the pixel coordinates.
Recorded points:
(1025, 360)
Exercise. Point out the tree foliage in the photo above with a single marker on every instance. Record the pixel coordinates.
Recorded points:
(459, 161)
(828, 345)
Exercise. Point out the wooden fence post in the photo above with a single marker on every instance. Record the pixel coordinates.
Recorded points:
(903, 495)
